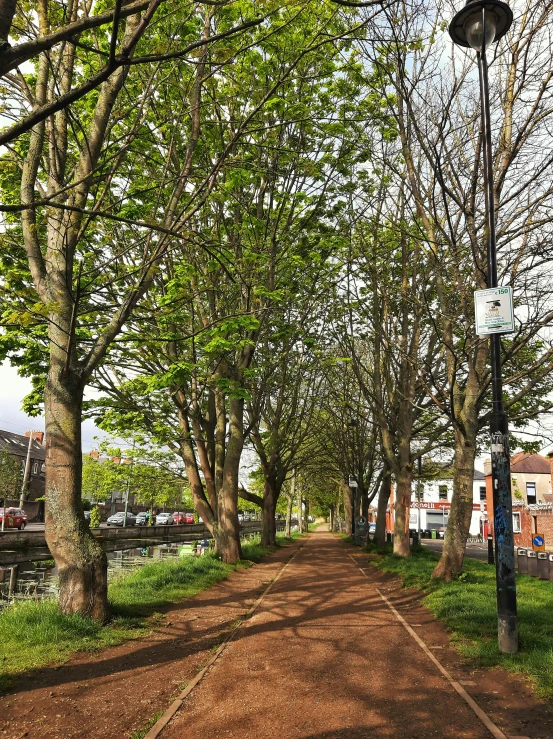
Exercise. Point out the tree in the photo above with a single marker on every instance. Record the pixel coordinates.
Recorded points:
(11, 475)
(436, 108)
(223, 291)
(75, 186)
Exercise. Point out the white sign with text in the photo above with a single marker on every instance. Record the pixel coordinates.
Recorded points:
(494, 312)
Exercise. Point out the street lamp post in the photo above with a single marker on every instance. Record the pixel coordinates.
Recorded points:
(479, 24)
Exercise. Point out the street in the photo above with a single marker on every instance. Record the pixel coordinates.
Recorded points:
(474, 551)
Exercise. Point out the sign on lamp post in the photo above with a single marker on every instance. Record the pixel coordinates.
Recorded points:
(494, 312)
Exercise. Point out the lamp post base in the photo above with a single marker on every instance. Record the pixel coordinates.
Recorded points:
(507, 634)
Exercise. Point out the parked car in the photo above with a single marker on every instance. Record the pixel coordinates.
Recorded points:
(86, 515)
(142, 518)
(180, 517)
(164, 519)
(247, 517)
(16, 518)
(118, 519)
(372, 527)
(240, 518)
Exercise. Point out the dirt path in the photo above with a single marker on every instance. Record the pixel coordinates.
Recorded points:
(115, 692)
(323, 657)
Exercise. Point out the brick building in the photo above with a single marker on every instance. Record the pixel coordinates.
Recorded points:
(531, 476)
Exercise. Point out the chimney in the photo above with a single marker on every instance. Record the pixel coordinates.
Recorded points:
(38, 435)
(94, 454)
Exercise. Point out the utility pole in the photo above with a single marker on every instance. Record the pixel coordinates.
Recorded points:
(26, 473)
(419, 484)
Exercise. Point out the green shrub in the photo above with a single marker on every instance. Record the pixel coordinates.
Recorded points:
(95, 517)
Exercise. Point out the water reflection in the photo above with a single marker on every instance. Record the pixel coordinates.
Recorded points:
(39, 580)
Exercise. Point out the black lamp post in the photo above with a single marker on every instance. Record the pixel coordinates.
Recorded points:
(478, 25)
(351, 425)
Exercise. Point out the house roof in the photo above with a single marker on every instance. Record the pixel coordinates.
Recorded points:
(535, 463)
(478, 475)
(17, 445)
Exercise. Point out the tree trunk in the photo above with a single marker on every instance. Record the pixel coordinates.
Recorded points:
(364, 504)
(458, 527)
(288, 530)
(300, 514)
(306, 514)
(331, 518)
(268, 526)
(348, 507)
(228, 529)
(401, 512)
(81, 561)
(383, 499)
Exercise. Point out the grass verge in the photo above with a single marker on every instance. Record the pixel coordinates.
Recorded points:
(36, 633)
(467, 607)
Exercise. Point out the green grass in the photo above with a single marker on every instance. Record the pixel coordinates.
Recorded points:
(36, 633)
(141, 733)
(467, 607)
(159, 583)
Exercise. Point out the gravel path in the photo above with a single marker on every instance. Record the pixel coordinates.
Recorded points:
(324, 657)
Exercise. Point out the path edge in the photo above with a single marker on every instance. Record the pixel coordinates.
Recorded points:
(166, 717)
(494, 730)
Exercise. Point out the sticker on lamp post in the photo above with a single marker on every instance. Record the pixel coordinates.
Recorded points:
(494, 312)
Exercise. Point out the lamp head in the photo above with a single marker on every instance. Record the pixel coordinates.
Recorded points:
(491, 18)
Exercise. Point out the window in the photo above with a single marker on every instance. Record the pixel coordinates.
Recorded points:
(483, 493)
(442, 492)
(516, 523)
(531, 492)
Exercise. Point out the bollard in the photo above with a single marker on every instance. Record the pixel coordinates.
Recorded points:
(415, 539)
(543, 566)
(388, 538)
(551, 567)
(13, 580)
(522, 561)
(532, 563)
(491, 558)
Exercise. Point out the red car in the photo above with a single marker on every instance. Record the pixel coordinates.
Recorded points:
(183, 517)
(15, 518)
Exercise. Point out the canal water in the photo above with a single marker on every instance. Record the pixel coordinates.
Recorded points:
(39, 580)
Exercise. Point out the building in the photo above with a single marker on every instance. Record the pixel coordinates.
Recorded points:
(431, 504)
(532, 499)
(17, 446)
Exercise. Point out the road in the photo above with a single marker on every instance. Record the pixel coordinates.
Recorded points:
(474, 551)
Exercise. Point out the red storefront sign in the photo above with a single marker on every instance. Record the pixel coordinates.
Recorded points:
(438, 506)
